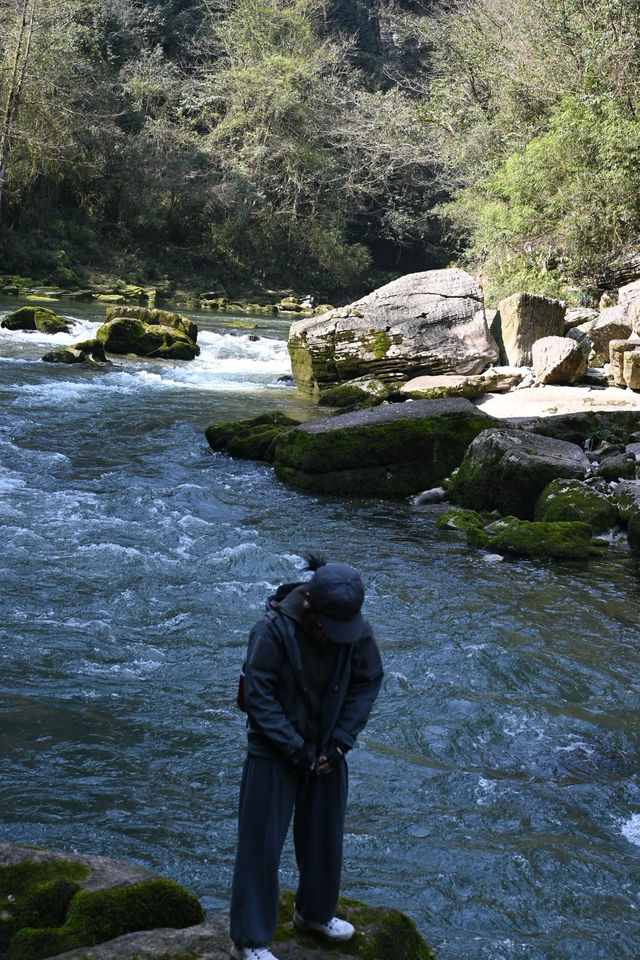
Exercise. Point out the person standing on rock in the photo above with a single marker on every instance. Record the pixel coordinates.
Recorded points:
(312, 674)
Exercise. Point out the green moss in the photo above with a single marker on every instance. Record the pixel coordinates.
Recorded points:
(351, 396)
(154, 317)
(544, 541)
(575, 500)
(454, 519)
(126, 335)
(251, 439)
(381, 933)
(35, 318)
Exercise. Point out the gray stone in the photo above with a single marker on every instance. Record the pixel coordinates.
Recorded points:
(493, 380)
(558, 360)
(506, 470)
(567, 500)
(631, 368)
(629, 292)
(612, 324)
(627, 498)
(579, 317)
(435, 495)
(581, 336)
(617, 351)
(523, 319)
(423, 323)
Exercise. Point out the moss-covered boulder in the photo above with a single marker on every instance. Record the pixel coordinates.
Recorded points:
(35, 318)
(575, 500)
(394, 450)
(53, 902)
(627, 499)
(128, 335)
(456, 519)
(506, 470)
(511, 536)
(355, 394)
(251, 439)
(157, 318)
(88, 352)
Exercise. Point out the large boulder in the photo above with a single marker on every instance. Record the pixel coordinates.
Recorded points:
(393, 450)
(506, 470)
(627, 498)
(35, 318)
(612, 324)
(631, 368)
(128, 335)
(423, 323)
(522, 319)
(54, 902)
(153, 317)
(558, 360)
(251, 439)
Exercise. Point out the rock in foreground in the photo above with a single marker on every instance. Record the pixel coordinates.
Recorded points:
(391, 451)
(423, 323)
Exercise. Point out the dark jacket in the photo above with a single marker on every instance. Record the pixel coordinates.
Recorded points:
(275, 694)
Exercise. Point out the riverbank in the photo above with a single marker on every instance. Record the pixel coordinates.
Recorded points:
(546, 400)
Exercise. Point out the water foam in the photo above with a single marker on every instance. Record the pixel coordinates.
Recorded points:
(631, 829)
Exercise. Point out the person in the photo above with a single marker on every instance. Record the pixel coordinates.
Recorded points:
(312, 674)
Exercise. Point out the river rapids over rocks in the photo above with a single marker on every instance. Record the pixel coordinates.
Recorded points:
(494, 796)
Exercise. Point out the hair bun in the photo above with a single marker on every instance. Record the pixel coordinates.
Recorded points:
(313, 560)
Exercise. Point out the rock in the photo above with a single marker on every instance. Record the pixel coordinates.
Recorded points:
(395, 450)
(251, 439)
(578, 317)
(126, 335)
(522, 319)
(631, 368)
(629, 292)
(88, 352)
(35, 318)
(67, 901)
(590, 427)
(581, 336)
(575, 500)
(423, 323)
(558, 360)
(455, 519)
(381, 934)
(612, 324)
(435, 495)
(613, 463)
(355, 394)
(627, 499)
(493, 380)
(511, 536)
(617, 350)
(155, 317)
(596, 377)
(506, 470)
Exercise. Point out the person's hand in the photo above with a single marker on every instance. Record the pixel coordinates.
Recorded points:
(304, 759)
(331, 758)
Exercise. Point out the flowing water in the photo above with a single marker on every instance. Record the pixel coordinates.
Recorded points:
(494, 795)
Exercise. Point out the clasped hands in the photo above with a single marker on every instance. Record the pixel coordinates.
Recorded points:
(304, 758)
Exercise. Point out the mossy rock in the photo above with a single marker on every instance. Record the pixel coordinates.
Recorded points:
(533, 539)
(393, 450)
(355, 395)
(251, 439)
(455, 519)
(127, 335)
(575, 500)
(381, 934)
(35, 318)
(154, 317)
(44, 910)
(89, 352)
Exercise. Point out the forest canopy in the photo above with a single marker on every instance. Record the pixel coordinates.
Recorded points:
(320, 144)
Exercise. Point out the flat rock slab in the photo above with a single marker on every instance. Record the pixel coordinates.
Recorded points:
(393, 450)
(104, 872)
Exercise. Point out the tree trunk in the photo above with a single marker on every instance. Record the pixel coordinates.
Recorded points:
(16, 80)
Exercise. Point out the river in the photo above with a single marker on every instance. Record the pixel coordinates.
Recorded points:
(494, 795)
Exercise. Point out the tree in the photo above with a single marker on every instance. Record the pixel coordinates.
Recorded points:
(16, 50)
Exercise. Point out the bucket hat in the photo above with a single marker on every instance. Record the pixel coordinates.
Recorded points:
(336, 594)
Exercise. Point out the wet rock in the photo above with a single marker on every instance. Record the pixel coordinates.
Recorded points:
(511, 536)
(66, 901)
(575, 500)
(251, 439)
(435, 495)
(423, 323)
(558, 360)
(87, 352)
(506, 470)
(154, 317)
(394, 450)
(627, 499)
(127, 335)
(36, 318)
(521, 320)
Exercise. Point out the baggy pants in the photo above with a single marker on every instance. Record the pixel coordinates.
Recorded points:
(270, 790)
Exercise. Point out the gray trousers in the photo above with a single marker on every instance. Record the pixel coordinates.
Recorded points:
(270, 791)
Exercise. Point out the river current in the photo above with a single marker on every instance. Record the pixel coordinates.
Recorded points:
(494, 795)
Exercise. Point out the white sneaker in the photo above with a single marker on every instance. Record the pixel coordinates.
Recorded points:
(250, 953)
(334, 929)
